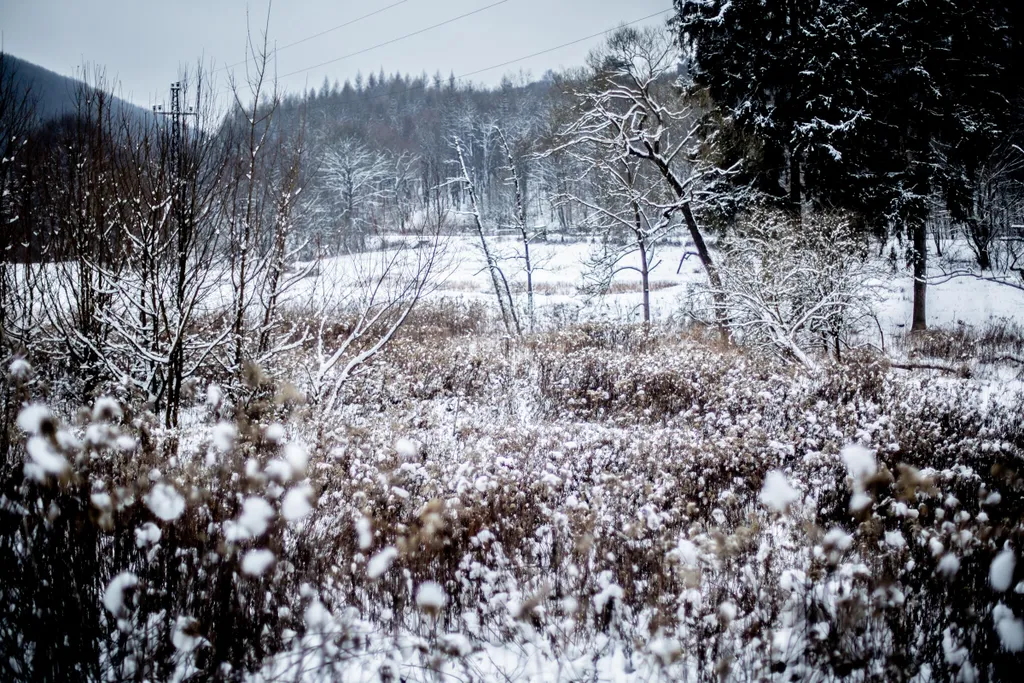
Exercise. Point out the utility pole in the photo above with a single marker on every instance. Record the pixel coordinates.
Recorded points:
(184, 223)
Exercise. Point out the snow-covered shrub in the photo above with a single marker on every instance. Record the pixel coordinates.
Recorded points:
(792, 287)
(591, 503)
(124, 564)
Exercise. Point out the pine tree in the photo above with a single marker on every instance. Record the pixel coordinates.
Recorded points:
(868, 105)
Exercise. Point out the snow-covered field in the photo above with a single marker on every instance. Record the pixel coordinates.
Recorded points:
(594, 503)
(559, 276)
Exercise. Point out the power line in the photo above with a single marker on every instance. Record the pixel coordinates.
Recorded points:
(324, 32)
(529, 56)
(559, 47)
(525, 57)
(395, 40)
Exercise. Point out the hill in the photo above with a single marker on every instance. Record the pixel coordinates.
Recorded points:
(54, 94)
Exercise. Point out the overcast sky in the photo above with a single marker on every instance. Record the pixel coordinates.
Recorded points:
(143, 42)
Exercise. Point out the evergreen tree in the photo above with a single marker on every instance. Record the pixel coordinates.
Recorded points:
(869, 106)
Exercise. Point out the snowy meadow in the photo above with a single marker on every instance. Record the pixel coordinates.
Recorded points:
(604, 501)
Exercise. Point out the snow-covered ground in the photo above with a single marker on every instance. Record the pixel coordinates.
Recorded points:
(559, 277)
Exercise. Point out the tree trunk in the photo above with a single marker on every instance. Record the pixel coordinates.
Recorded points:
(920, 320)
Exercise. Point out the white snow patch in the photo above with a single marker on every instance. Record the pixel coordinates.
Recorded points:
(19, 370)
(667, 650)
(257, 561)
(106, 409)
(296, 505)
(32, 417)
(364, 532)
(860, 461)
(113, 597)
(777, 493)
(164, 501)
(838, 539)
(1000, 573)
(223, 436)
(182, 637)
(430, 596)
(407, 449)
(381, 562)
(43, 460)
(253, 521)
(949, 565)
(147, 534)
(296, 456)
(274, 433)
(214, 395)
(894, 539)
(1009, 628)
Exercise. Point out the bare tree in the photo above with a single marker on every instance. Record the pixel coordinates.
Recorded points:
(169, 217)
(370, 295)
(355, 177)
(627, 207)
(520, 221)
(502, 292)
(631, 108)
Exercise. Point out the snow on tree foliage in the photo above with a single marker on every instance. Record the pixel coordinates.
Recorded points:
(869, 109)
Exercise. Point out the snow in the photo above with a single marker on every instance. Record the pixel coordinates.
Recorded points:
(147, 534)
(364, 533)
(838, 539)
(214, 396)
(948, 566)
(164, 501)
(106, 409)
(1009, 628)
(381, 562)
(100, 500)
(610, 591)
(859, 501)
(430, 596)
(183, 637)
(275, 433)
(456, 644)
(253, 520)
(860, 461)
(113, 596)
(19, 370)
(894, 539)
(295, 504)
(43, 460)
(667, 650)
(727, 612)
(256, 562)
(32, 418)
(276, 469)
(223, 436)
(296, 456)
(407, 449)
(1000, 573)
(777, 494)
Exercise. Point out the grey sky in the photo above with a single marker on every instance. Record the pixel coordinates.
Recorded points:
(142, 42)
